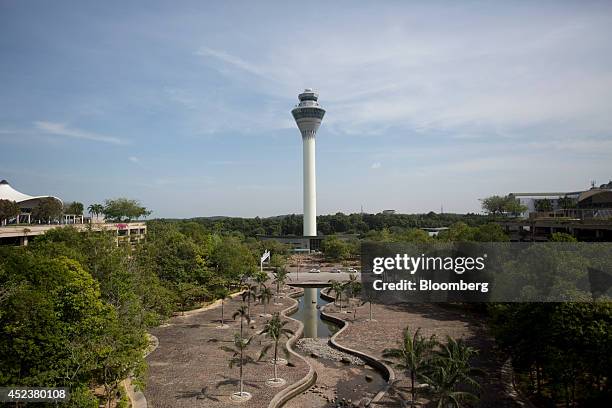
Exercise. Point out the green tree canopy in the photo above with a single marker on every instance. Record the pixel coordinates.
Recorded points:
(53, 323)
(334, 248)
(123, 209)
(502, 205)
(48, 209)
(543, 205)
(8, 210)
(73, 208)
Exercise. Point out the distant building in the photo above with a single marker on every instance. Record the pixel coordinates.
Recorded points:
(587, 215)
(388, 212)
(17, 231)
(562, 202)
(26, 202)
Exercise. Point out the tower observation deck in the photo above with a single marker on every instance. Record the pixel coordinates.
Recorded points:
(308, 115)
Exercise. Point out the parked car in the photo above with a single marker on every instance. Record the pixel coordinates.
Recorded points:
(337, 270)
(314, 270)
(352, 270)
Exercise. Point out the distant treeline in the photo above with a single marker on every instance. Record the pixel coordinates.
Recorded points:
(338, 223)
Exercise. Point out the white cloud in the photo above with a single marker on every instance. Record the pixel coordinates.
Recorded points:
(60, 129)
(229, 59)
(376, 165)
(494, 75)
(134, 159)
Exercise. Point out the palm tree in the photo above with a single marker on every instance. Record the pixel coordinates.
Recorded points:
(413, 355)
(280, 277)
(264, 296)
(243, 314)
(250, 293)
(240, 345)
(351, 284)
(95, 209)
(337, 288)
(275, 329)
(223, 294)
(261, 278)
(369, 299)
(452, 367)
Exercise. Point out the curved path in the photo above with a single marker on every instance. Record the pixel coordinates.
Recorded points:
(189, 370)
(371, 337)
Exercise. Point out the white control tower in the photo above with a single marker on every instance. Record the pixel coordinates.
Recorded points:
(308, 115)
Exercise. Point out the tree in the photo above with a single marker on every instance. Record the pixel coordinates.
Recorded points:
(278, 261)
(280, 277)
(264, 296)
(494, 204)
(48, 209)
(338, 289)
(543, 205)
(174, 257)
(243, 314)
(335, 249)
(489, 233)
(73, 208)
(250, 293)
(275, 329)
(369, 299)
(566, 202)
(451, 368)
(123, 209)
(188, 293)
(461, 232)
(232, 258)
(240, 346)
(222, 294)
(261, 278)
(95, 209)
(413, 355)
(351, 285)
(500, 205)
(560, 350)
(562, 237)
(513, 206)
(8, 210)
(55, 328)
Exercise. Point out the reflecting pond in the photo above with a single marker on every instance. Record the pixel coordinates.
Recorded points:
(308, 313)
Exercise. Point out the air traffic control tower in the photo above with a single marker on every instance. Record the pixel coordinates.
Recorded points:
(308, 115)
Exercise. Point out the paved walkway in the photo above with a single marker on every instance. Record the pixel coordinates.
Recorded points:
(189, 370)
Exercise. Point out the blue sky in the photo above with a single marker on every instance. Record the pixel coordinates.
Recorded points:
(186, 105)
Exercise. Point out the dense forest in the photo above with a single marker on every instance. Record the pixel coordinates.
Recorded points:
(75, 307)
(338, 223)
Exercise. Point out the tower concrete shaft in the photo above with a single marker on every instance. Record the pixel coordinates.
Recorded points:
(308, 115)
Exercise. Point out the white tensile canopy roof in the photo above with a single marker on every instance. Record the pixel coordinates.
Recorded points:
(9, 193)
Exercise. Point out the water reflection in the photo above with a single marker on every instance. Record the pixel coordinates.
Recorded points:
(308, 313)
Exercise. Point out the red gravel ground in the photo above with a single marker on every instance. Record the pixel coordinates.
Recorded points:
(189, 370)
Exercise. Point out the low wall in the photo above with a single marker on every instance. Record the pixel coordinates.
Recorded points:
(385, 370)
(308, 381)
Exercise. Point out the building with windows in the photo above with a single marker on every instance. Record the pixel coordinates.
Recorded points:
(587, 215)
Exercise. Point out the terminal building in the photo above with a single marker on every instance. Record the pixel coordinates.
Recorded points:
(18, 230)
(585, 214)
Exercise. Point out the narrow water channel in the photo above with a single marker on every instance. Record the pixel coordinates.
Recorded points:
(308, 313)
(338, 383)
